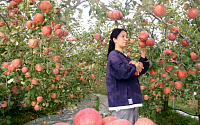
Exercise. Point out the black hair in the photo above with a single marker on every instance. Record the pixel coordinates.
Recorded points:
(114, 34)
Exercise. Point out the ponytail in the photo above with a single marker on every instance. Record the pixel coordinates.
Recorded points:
(114, 34)
(111, 46)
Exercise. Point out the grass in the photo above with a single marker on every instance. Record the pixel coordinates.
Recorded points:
(188, 106)
(170, 117)
(28, 114)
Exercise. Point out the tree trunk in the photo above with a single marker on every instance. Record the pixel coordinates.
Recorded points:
(166, 101)
(199, 110)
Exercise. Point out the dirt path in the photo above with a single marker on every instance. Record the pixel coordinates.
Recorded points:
(67, 115)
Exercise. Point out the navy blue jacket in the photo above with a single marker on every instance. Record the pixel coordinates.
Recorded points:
(120, 80)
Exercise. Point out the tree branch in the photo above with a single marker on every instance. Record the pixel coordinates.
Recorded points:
(5, 22)
(80, 3)
(129, 2)
(181, 35)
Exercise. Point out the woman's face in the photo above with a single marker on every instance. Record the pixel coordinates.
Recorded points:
(121, 40)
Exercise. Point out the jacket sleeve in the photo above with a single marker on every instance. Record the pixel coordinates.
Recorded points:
(119, 69)
(145, 63)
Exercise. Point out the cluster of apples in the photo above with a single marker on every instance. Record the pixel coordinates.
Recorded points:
(114, 14)
(144, 40)
(90, 116)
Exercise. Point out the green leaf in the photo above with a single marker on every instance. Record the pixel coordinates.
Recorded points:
(8, 117)
(197, 96)
(4, 69)
(116, 23)
(21, 6)
(3, 76)
(90, 12)
(8, 121)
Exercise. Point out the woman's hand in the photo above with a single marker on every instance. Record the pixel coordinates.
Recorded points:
(143, 52)
(139, 67)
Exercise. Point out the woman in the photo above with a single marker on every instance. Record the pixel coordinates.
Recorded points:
(123, 88)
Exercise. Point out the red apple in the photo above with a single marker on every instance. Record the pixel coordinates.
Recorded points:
(65, 33)
(169, 68)
(192, 71)
(192, 13)
(170, 21)
(17, 63)
(120, 122)
(57, 26)
(152, 72)
(5, 64)
(46, 30)
(39, 18)
(59, 33)
(167, 90)
(55, 71)
(193, 56)
(159, 10)
(142, 44)
(116, 15)
(197, 66)
(109, 14)
(168, 52)
(161, 85)
(56, 9)
(2, 23)
(152, 80)
(45, 6)
(143, 35)
(56, 58)
(39, 98)
(146, 97)
(146, 21)
(131, 41)
(4, 104)
(37, 107)
(97, 36)
(53, 95)
(93, 75)
(34, 81)
(24, 69)
(144, 121)
(33, 43)
(107, 120)
(179, 85)
(11, 67)
(33, 103)
(31, 24)
(171, 37)
(38, 67)
(3, 36)
(88, 116)
(150, 42)
(128, 54)
(181, 74)
(14, 4)
(185, 43)
(162, 61)
(174, 30)
(142, 87)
